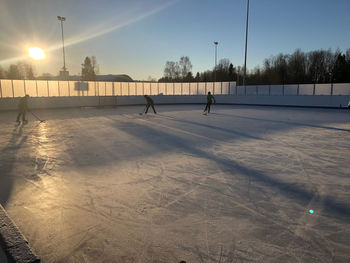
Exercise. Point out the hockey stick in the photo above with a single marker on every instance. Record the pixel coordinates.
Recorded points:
(143, 112)
(37, 117)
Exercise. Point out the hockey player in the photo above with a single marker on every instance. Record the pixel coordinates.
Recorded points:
(22, 108)
(150, 103)
(210, 99)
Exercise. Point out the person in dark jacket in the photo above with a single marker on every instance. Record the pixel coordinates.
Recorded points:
(210, 99)
(22, 108)
(150, 103)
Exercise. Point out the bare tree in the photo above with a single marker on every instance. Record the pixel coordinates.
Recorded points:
(185, 66)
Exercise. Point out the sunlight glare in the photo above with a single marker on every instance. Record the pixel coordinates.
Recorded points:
(36, 53)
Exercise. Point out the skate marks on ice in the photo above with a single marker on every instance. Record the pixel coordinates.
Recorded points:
(291, 190)
(144, 192)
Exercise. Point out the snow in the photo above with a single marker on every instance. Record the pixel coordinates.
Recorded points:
(109, 185)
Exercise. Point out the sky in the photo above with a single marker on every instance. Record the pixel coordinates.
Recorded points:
(137, 37)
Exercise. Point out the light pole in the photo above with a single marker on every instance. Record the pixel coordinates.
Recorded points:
(246, 42)
(216, 54)
(64, 72)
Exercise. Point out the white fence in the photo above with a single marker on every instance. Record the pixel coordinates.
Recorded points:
(50, 88)
(293, 90)
(54, 88)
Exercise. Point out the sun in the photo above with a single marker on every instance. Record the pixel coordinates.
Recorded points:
(36, 53)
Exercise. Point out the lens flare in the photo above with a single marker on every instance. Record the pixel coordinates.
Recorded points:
(311, 211)
(36, 53)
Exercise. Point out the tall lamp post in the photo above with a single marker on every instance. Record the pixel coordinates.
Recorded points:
(246, 42)
(216, 54)
(64, 72)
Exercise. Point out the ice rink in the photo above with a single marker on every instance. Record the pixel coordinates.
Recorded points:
(109, 185)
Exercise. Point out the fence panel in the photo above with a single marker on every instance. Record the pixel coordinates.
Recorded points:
(306, 89)
(210, 87)
(240, 90)
(88, 88)
(226, 88)
(185, 88)
(276, 90)
(139, 88)
(263, 90)
(6, 88)
(216, 88)
(193, 88)
(162, 90)
(53, 88)
(323, 89)
(42, 88)
(154, 88)
(232, 87)
(251, 90)
(177, 88)
(30, 88)
(170, 88)
(124, 88)
(132, 88)
(63, 87)
(290, 90)
(201, 88)
(147, 88)
(18, 88)
(341, 89)
(109, 88)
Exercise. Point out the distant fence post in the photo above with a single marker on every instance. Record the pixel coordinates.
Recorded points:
(36, 87)
(331, 89)
(59, 91)
(69, 89)
(197, 88)
(269, 90)
(24, 87)
(113, 88)
(205, 88)
(0, 89)
(158, 88)
(314, 89)
(13, 90)
(298, 90)
(245, 90)
(181, 87)
(47, 86)
(221, 87)
(283, 90)
(173, 88)
(256, 90)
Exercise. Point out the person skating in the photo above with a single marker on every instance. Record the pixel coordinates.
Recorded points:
(210, 99)
(150, 103)
(22, 108)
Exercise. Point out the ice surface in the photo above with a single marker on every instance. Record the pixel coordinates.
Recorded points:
(109, 185)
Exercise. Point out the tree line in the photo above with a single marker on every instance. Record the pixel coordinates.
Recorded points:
(319, 66)
(22, 70)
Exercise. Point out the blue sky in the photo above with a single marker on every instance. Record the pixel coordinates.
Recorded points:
(137, 37)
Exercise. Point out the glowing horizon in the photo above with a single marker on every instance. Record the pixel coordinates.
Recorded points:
(96, 33)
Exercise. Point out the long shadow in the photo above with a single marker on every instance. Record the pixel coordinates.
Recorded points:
(166, 141)
(285, 122)
(7, 162)
(216, 128)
